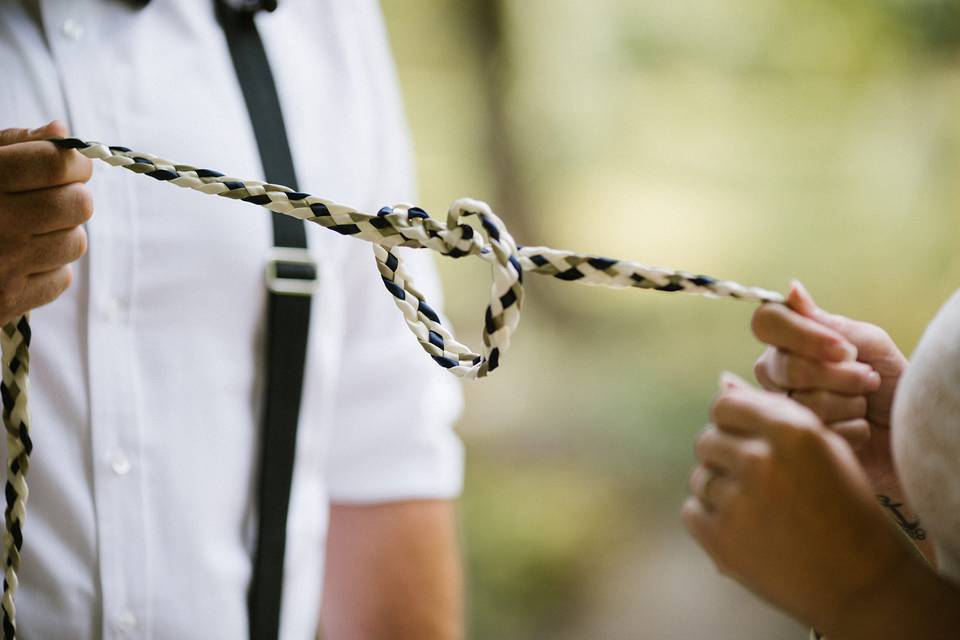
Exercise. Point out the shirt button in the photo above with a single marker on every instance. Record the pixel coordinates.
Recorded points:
(126, 621)
(71, 29)
(110, 309)
(120, 463)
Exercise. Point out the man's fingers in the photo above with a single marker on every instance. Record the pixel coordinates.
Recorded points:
(53, 250)
(49, 130)
(43, 288)
(52, 129)
(37, 165)
(832, 407)
(796, 373)
(781, 327)
(856, 432)
(45, 210)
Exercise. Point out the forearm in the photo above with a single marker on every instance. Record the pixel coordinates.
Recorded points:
(393, 573)
(912, 602)
(898, 510)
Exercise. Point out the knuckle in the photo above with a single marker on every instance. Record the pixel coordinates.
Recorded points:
(78, 244)
(10, 136)
(67, 279)
(702, 443)
(760, 321)
(873, 334)
(54, 167)
(859, 406)
(59, 284)
(691, 514)
(817, 401)
(83, 201)
(762, 365)
(795, 372)
(853, 380)
(724, 405)
(804, 436)
(11, 290)
(86, 166)
(756, 455)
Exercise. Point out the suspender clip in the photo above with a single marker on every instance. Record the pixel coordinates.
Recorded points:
(291, 272)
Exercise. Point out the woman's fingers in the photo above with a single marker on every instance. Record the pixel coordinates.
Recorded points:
(725, 451)
(712, 488)
(856, 432)
(781, 327)
(795, 373)
(761, 368)
(832, 407)
(748, 411)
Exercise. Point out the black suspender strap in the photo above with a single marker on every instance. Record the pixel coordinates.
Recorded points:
(290, 278)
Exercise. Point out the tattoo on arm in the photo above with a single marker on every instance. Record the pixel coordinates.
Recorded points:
(912, 529)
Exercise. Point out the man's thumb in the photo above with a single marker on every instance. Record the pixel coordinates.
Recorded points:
(49, 130)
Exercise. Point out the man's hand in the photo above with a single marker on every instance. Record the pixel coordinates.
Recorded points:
(43, 203)
(844, 370)
(781, 505)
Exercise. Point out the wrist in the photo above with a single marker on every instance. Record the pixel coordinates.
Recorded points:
(907, 600)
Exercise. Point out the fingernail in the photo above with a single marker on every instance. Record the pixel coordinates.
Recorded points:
(874, 380)
(802, 290)
(730, 380)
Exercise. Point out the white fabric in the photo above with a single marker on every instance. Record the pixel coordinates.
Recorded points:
(146, 376)
(926, 434)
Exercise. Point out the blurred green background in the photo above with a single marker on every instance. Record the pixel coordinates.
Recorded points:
(757, 140)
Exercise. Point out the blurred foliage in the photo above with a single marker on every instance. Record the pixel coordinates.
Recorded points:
(757, 140)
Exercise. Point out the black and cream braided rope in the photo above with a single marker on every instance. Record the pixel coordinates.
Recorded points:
(410, 226)
(391, 227)
(14, 387)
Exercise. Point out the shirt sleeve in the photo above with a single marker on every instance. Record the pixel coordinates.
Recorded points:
(393, 435)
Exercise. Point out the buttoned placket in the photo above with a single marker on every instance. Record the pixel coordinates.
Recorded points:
(91, 93)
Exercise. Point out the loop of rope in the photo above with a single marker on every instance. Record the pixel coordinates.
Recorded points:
(411, 226)
(388, 229)
(506, 291)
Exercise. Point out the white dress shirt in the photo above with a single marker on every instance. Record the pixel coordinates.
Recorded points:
(147, 374)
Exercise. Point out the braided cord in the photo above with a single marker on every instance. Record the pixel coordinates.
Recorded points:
(410, 226)
(402, 225)
(14, 390)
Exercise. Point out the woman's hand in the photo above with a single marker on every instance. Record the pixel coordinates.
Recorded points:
(844, 370)
(781, 504)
